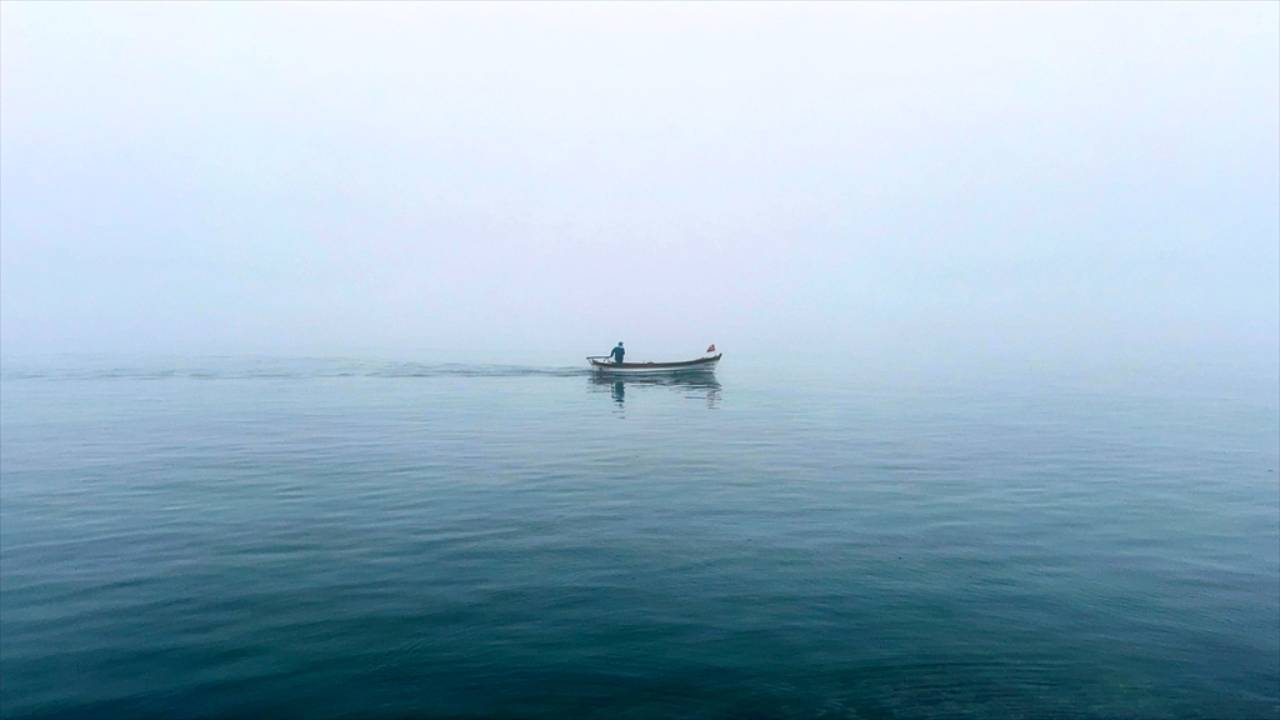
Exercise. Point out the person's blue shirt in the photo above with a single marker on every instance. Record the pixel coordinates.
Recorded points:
(618, 353)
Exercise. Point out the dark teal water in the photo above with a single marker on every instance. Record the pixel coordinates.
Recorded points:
(319, 539)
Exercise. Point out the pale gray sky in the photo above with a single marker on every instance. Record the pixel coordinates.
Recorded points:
(519, 182)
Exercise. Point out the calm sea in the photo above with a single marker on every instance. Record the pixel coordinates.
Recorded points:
(321, 539)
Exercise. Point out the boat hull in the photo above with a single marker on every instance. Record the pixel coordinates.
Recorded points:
(707, 364)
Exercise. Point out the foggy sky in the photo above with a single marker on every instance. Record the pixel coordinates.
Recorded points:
(503, 183)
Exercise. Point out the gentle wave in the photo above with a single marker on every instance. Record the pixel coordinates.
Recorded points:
(607, 547)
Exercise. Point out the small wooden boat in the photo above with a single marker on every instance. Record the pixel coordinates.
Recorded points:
(601, 363)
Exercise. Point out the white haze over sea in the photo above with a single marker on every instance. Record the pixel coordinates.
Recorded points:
(915, 185)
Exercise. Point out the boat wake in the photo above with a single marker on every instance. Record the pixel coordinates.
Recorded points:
(220, 369)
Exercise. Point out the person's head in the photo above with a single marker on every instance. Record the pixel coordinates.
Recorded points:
(619, 343)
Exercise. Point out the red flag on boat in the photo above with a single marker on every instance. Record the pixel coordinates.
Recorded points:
(711, 348)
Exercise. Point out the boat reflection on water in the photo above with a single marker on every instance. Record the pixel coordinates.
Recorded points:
(696, 385)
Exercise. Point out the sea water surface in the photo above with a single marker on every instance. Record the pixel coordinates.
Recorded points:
(323, 539)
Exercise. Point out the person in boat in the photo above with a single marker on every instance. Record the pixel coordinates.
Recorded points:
(618, 353)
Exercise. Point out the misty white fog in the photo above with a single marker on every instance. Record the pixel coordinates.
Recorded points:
(296, 418)
(914, 184)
